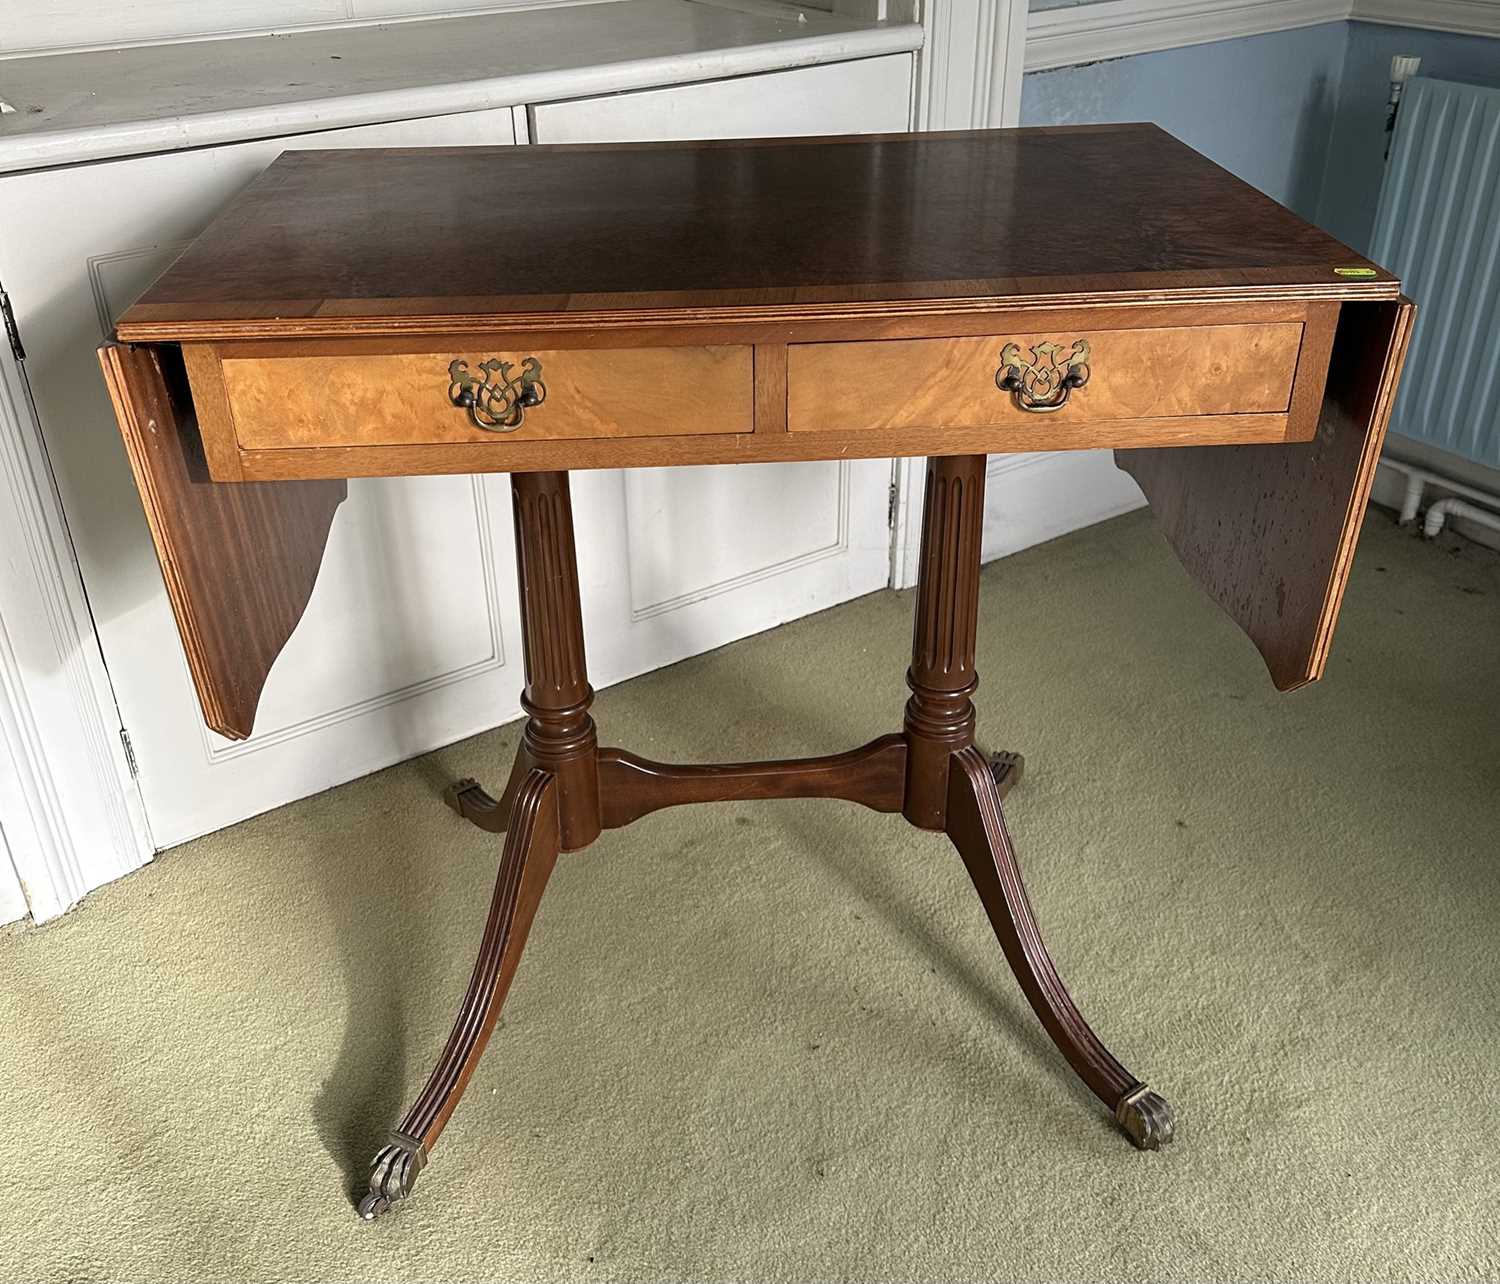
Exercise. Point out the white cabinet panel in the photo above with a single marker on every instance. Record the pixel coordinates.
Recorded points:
(668, 572)
(679, 560)
(410, 639)
(1032, 498)
(869, 96)
(397, 651)
(420, 551)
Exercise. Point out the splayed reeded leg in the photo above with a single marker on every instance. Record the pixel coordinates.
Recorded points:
(977, 828)
(952, 786)
(550, 805)
(531, 847)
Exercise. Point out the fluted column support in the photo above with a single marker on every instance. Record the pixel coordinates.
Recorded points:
(560, 735)
(940, 715)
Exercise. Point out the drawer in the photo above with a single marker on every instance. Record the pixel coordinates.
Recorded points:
(1126, 374)
(369, 399)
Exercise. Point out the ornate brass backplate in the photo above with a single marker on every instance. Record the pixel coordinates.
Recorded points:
(1044, 382)
(496, 399)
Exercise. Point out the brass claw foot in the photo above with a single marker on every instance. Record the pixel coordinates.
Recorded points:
(453, 794)
(470, 800)
(1147, 1119)
(1007, 768)
(467, 797)
(393, 1174)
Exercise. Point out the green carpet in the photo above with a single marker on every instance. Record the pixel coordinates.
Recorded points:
(778, 1041)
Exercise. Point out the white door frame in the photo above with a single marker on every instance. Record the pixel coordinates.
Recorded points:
(71, 814)
(973, 56)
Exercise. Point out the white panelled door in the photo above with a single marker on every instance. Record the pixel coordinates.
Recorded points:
(410, 638)
(675, 561)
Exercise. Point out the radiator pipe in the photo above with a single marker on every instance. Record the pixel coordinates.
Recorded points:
(1455, 507)
(1403, 68)
(1417, 478)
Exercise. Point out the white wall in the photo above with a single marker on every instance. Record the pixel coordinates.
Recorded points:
(36, 26)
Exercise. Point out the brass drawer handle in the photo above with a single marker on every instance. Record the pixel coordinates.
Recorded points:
(1042, 384)
(496, 400)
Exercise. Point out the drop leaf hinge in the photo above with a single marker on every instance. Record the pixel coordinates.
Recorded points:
(11, 332)
(129, 753)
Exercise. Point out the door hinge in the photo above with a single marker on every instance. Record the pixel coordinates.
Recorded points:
(890, 506)
(129, 753)
(11, 332)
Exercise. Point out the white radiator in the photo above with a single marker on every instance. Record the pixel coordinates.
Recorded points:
(1438, 228)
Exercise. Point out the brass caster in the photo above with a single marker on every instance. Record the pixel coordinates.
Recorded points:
(392, 1175)
(1147, 1119)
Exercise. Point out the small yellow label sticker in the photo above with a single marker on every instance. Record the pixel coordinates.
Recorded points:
(1354, 271)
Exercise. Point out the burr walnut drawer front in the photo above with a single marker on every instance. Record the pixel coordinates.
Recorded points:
(1073, 376)
(369, 399)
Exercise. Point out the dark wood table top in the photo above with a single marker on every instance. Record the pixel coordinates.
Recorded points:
(410, 240)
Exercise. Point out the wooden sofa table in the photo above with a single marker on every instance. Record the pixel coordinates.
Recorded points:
(540, 309)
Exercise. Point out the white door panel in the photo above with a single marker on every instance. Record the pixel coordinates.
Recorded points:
(676, 561)
(423, 551)
(410, 639)
(683, 541)
(1029, 499)
(404, 640)
(870, 96)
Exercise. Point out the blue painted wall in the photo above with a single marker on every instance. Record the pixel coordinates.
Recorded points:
(1261, 106)
(1300, 114)
(1356, 151)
